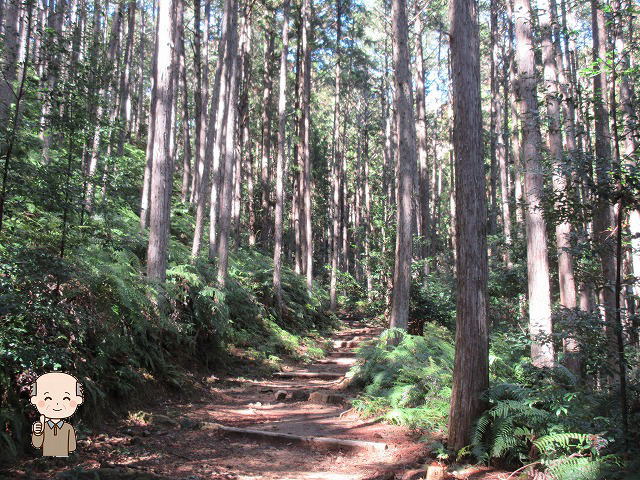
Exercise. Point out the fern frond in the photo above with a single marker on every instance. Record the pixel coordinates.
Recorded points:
(563, 440)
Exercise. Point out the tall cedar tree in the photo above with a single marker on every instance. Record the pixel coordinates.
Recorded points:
(162, 170)
(471, 369)
(540, 328)
(406, 161)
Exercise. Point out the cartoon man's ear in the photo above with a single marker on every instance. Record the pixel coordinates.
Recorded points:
(34, 392)
(79, 392)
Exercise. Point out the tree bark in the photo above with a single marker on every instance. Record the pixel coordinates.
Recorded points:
(162, 172)
(335, 183)
(217, 124)
(199, 105)
(566, 280)
(148, 170)
(105, 88)
(10, 51)
(233, 66)
(540, 327)
(406, 166)
(211, 136)
(304, 157)
(421, 137)
(603, 216)
(266, 139)
(186, 141)
(471, 370)
(125, 80)
(279, 208)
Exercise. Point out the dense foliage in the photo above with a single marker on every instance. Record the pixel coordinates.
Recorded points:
(92, 312)
(547, 419)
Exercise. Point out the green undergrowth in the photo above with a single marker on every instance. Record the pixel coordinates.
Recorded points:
(551, 427)
(90, 313)
(408, 384)
(543, 418)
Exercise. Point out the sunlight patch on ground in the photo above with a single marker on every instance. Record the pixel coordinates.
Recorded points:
(308, 476)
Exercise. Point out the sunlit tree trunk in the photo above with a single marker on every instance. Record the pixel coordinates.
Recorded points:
(304, 154)
(421, 137)
(162, 172)
(210, 156)
(243, 122)
(494, 119)
(566, 280)
(406, 165)
(146, 184)
(540, 327)
(279, 208)
(266, 139)
(630, 134)
(184, 89)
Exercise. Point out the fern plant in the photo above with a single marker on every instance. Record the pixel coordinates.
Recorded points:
(522, 427)
(408, 381)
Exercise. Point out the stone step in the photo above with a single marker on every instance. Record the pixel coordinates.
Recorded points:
(327, 443)
(318, 375)
(347, 343)
(342, 354)
(328, 398)
(293, 395)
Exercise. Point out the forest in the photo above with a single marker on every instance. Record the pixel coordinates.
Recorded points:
(389, 239)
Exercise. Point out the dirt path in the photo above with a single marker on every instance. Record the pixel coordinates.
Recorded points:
(184, 442)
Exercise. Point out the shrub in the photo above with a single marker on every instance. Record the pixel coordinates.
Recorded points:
(524, 425)
(408, 384)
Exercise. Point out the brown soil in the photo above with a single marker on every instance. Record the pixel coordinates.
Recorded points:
(177, 443)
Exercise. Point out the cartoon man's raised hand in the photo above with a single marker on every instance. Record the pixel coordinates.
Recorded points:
(38, 427)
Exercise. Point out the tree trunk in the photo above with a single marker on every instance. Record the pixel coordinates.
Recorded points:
(199, 105)
(515, 133)
(211, 136)
(243, 122)
(282, 104)
(217, 124)
(114, 42)
(335, 183)
(540, 328)
(233, 66)
(186, 141)
(566, 280)
(494, 119)
(421, 137)
(266, 138)
(603, 217)
(498, 110)
(304, 157)
(125, 80)
(148, 170)
(471, 370)
(162, 171)
(406, 165)
(631, 138)
(10, 51)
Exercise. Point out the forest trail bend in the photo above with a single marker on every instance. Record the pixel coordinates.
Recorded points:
(302, 401)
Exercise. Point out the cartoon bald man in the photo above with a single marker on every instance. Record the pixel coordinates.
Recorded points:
(56, 395)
